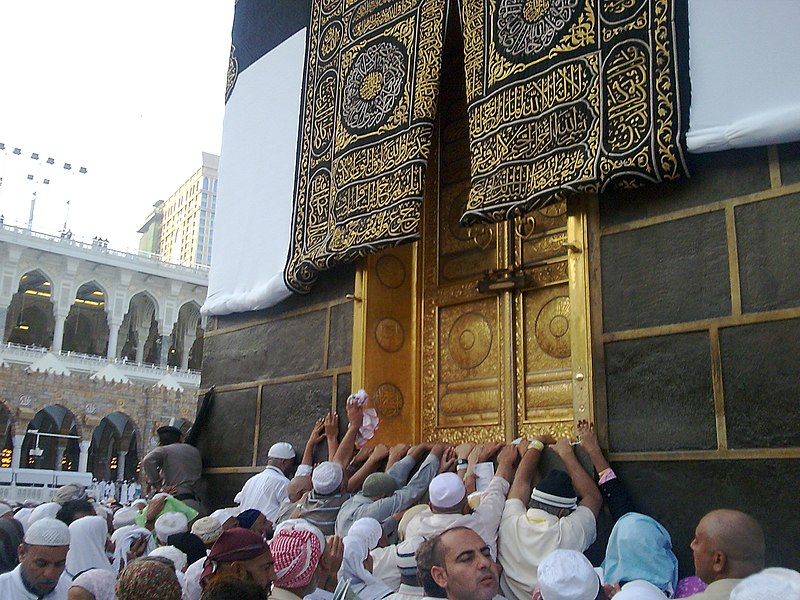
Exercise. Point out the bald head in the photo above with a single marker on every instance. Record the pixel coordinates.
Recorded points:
(298, 486)
(728, 544)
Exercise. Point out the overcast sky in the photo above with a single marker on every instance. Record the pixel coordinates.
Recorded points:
(133, 91)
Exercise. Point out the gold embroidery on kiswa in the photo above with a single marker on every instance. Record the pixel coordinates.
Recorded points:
(369, 100)
(568, 96)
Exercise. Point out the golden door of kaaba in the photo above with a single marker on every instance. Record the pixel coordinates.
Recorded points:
(481, 332)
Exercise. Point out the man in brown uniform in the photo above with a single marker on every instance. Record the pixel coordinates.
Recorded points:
(174, 467)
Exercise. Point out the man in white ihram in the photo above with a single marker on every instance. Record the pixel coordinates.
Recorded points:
(266, 491)
(42, 558)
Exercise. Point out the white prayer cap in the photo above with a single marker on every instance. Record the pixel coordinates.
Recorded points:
(207, 529)
(223, 514)
(327, 477)
(124, 516)
(47, 532)
(301, 525)
(170, 523)
(639, 589)
(767, 586)
(567, 575)
(46, 510)
(368, 529)
(140, 502)
(446, 490)
(281, 450)
(4, 508)
(178, 557)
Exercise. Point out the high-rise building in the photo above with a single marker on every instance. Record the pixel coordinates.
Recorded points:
(150, 241)
(187, 217)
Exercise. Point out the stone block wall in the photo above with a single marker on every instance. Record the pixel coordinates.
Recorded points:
(699, 301)
(275, 371)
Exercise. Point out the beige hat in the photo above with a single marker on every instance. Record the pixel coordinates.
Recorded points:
(406, 519)
(207, 529)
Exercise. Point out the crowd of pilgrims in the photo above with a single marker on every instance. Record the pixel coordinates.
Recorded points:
(122, 492)
(467, 522)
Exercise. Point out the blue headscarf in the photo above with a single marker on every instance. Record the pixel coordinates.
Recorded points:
(640, 548)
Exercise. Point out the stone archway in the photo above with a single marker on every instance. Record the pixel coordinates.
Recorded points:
(184, 335)
(30, 320)
(6, 435)
(86, 326)
(58, 449)
(139, 330)
(114, 454)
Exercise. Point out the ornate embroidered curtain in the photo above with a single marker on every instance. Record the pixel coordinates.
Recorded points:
(370, 89)
(564, 96)
(568, 96)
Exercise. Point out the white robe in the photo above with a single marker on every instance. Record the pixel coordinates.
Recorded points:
(264, 492)
(11, 587)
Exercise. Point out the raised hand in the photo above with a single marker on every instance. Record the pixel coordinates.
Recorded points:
(380, 452)
(331, 425)
(488, 450)
(448, 460)
(362, 455)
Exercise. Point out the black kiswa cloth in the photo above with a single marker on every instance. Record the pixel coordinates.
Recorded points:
(366, 124)
(570, 96)
(202, 417)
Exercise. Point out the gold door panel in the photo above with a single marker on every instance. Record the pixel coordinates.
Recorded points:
(501, 347)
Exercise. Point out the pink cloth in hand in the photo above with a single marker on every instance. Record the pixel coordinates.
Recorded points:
(370, 422)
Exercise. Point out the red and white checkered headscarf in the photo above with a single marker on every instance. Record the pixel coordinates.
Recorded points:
(296, 553)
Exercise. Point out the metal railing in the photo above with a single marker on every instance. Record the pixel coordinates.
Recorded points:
(92, 362)
(97, 246)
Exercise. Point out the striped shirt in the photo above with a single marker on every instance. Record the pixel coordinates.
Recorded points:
(322, 510)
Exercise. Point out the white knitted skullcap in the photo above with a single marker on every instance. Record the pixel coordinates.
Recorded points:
(327, 477)
(124, 516)
(281, 450)
(567, 575)
(639, 589)
(4, 508)
(46, 510)
(178, 557)
(47, 532)
(207, 529)
(446, 490)
(368, 529)
(169, 524)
